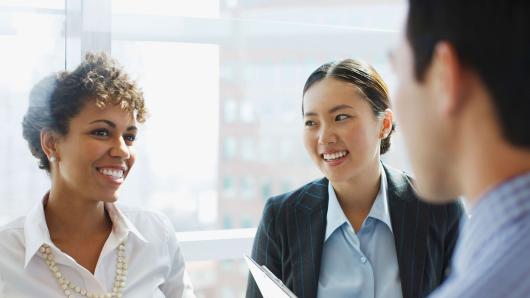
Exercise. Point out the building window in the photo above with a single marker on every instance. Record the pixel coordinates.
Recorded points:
(230, 111)
(229, 187)
(229, 148)
(266, 190)
(248, 149)
(248, 187)
(227, 222)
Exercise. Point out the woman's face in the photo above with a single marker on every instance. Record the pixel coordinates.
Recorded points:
(342, 134)
(95, 156)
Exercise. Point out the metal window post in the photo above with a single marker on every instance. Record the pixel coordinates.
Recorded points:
(87, 29)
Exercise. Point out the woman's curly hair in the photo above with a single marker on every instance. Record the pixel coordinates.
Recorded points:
(56, 99)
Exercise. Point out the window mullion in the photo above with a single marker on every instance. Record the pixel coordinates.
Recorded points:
(87, 29)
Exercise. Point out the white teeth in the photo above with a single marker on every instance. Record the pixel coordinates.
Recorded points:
(333, 156)
(114, 173)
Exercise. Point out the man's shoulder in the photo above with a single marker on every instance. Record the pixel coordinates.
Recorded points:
(493, 257)
(500, 271)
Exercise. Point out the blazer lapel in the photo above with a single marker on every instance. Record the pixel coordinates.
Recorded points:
(309, 222)
(410, 223)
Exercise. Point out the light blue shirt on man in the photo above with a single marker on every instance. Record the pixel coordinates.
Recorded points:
(362, 264)
(492, 257)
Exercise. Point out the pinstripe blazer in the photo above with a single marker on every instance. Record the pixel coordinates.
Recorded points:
(290, 237)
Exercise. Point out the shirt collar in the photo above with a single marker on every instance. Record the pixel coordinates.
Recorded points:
(121, 225)
(36, 230)
(336, 217)
(380, 209)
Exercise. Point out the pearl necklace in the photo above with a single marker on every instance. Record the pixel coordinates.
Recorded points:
(70, 289)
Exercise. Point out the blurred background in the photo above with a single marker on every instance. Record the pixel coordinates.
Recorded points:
(223, 82)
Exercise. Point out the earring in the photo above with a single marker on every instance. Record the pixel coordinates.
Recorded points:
(52, 158)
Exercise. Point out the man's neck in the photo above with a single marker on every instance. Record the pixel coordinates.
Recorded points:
(490, 166)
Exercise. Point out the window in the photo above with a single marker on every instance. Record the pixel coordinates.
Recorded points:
(230, 111)
(227, 222)
(229, 148)
(248, 187)
(223, 82)
(247, 112)
(229, 186)
(31, 46)
(266, 189)
(248, 149)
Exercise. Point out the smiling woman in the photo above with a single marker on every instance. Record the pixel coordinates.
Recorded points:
(82, 126)
(350, 234)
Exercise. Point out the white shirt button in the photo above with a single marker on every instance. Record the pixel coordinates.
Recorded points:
(363, 259)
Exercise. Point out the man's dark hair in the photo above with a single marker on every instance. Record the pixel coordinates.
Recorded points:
(492, 38)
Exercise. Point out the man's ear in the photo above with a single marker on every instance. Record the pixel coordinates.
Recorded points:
(447, 76)
(48, 141)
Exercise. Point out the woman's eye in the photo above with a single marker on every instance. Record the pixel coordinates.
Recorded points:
(101, 132)
(129, 138)
(309, 123)
(341, 117)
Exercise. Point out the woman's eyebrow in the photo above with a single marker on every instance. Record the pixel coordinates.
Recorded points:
(332, 110)
(339, 107)
(111, 124)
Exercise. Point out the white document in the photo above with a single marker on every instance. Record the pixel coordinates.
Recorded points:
(269, 285)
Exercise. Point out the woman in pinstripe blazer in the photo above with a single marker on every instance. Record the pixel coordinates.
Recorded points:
(360, 231)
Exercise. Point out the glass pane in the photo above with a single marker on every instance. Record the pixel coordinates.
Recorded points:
(225, 97)
(52, 4)
(222, 279)
(373, 14)
(31, 46)
(178, 146)
(202, 8)
(229, 88)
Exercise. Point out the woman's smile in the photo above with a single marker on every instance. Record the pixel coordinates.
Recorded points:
(335, 158)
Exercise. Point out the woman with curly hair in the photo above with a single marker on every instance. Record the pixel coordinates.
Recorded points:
(76, 241)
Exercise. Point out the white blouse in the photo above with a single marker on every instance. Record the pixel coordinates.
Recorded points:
(155, 263)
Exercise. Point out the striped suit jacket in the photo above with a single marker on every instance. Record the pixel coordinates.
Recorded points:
(290, 237)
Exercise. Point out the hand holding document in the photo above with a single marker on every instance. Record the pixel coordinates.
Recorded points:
(269, 285)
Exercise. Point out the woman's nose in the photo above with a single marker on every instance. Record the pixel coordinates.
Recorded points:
(327, 136)
(120, 149)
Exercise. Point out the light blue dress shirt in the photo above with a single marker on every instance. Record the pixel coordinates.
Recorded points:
(492, 256)
(362, 264)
